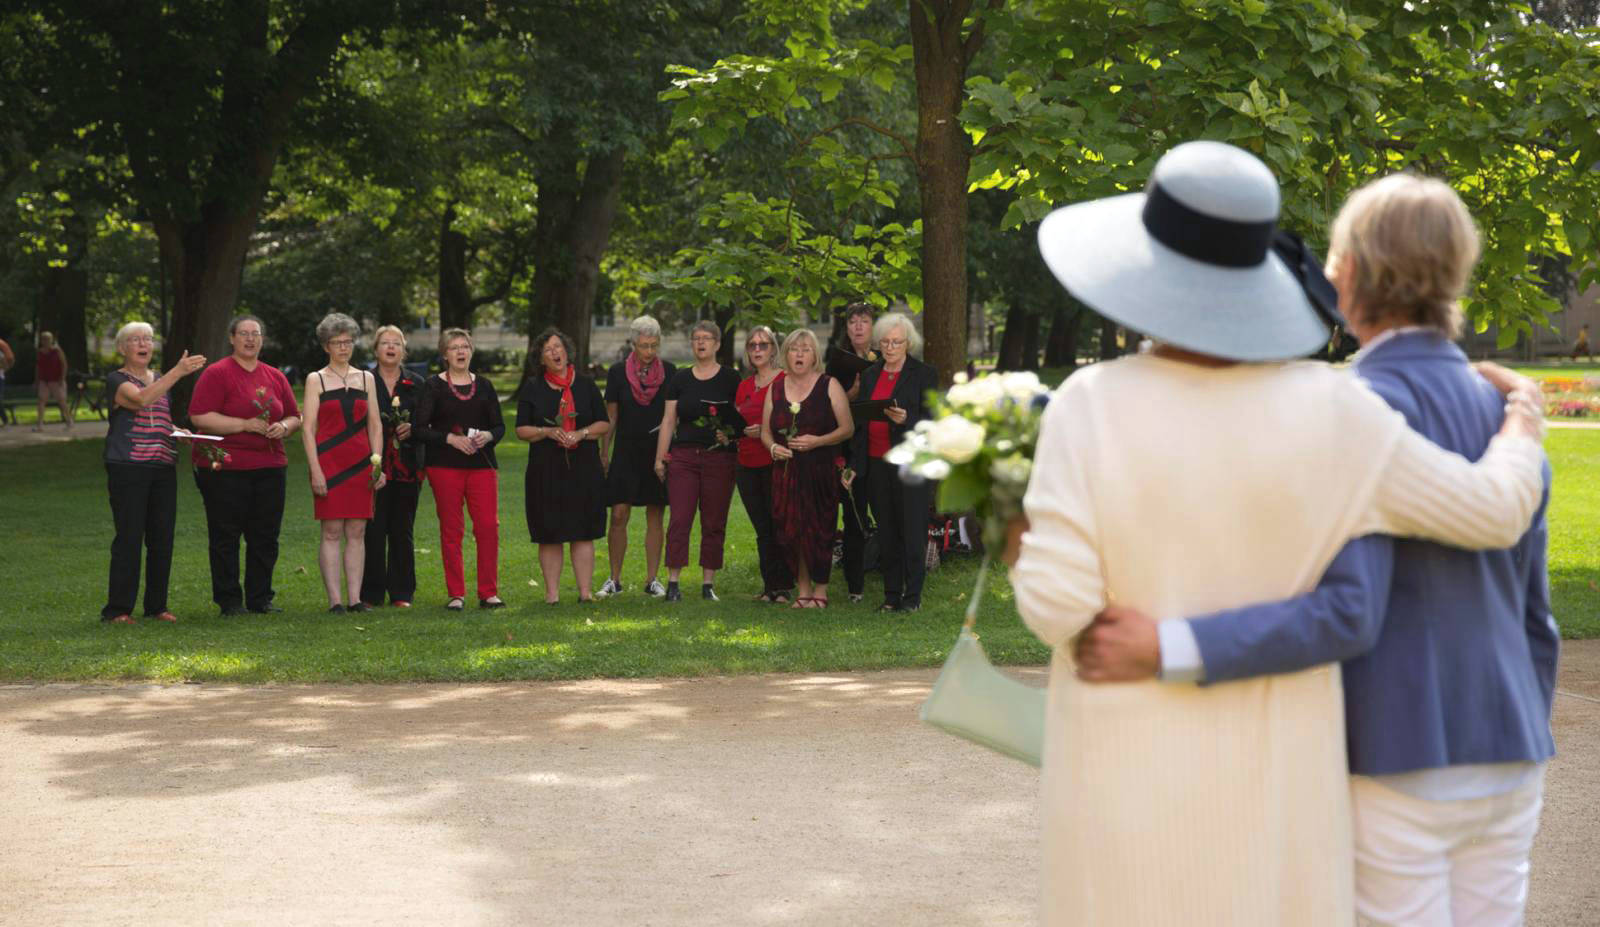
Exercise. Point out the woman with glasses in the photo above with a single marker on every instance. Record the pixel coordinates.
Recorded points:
(695, 441)
(899, 508)
(342, 436)
(636, 399)
(241, 478)
(846, 362)
(391, 570)
(754, 475)
(140, 474)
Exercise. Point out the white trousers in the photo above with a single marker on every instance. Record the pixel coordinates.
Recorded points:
(1426, 863)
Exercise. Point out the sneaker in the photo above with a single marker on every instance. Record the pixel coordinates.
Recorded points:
(654, 588)
(673, 594)
(609, 588)
(707, 593)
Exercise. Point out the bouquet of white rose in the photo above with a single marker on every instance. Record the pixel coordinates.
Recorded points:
(980, 445)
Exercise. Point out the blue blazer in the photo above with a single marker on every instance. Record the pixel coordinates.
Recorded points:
(1450, 655)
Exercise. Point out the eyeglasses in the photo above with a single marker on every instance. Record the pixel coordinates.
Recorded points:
(703, 339)
(763, 345)
(342, 343)
(893, 342)
(248, 336)
(139, 339)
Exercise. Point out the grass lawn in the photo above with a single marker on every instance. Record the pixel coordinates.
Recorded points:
(57, 531)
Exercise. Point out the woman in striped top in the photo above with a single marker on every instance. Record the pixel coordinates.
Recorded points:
(140, 475)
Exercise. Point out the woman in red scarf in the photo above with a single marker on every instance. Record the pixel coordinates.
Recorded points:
(560, 414)
(635, 401)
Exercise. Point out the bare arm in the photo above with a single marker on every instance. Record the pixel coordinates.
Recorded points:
(132, 397)
(374, 420)
(312, 406)
(612, 411)
(669, 424)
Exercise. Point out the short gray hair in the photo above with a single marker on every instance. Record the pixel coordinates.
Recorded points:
(880, 330)
(133, 328)
(795, 337)
(334, 324)
(644, 327)
(706, 325)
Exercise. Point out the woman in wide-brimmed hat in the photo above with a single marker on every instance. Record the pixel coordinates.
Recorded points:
(1216, 471)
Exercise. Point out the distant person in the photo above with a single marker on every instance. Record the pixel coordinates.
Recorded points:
(754, 474)
(141, 478)
(343, 435)
(241, 478)
(859, 319)
(458, 418)
(50, 379)
(1581, 346)
(695, 457)
(391, 571)
(636, 399)
(804, 420)
(562, 416)
(7, 361)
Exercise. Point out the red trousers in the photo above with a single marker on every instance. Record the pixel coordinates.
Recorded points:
(703, 479)
(480, 489)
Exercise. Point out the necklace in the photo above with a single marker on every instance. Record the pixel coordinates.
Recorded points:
(472, 388)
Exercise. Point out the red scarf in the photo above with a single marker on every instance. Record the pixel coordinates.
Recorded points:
(644, 382)
(566, 413)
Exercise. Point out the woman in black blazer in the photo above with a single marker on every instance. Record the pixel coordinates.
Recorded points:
(900, 509)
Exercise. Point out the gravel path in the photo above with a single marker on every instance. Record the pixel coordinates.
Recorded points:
(749, 800)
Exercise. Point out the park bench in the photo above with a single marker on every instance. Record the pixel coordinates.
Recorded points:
(87, 394)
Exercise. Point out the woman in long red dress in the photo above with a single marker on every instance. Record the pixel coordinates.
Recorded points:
(341, 430)
(803, 423)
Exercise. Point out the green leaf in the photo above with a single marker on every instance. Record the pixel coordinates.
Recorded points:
(963, 490)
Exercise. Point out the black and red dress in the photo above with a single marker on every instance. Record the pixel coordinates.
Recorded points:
(805, 488)
(343, 453)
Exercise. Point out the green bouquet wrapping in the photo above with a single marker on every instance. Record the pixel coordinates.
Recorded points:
(979, 445)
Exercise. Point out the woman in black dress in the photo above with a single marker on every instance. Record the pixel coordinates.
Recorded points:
(636, 398)
(561, 415)
(846, 362)
(391, 573)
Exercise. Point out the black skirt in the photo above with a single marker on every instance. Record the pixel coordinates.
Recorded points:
(632, 479)
(565, 493)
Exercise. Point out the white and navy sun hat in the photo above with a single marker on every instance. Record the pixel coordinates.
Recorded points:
(1197, 261)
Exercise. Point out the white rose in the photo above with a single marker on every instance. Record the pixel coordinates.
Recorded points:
(1022, 386)
(794, 407)
(956, 439)
(899, 455)
(985, 391)
(934, 470)
(959, 378)
(1014, 470)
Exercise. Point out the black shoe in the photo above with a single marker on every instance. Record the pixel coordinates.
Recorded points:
(911, 605)
(232, 611)
(674, 594)
(267, 609)
(889, 605)
(337, 609)
(707, 593)
(362, 607)
(493, 601)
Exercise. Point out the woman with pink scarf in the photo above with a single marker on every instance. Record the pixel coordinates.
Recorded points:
(635, 402)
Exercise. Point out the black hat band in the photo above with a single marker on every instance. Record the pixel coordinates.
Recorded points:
(1194, 234)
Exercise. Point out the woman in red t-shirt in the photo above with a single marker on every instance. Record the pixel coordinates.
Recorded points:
(754, 475)
(50, 379)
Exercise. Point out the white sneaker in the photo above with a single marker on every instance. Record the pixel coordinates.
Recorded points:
(654, 588)
(610, 588)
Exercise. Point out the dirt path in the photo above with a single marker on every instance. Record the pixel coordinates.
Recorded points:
(753, 800)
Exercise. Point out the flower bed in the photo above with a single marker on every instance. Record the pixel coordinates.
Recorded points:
(1571, 397)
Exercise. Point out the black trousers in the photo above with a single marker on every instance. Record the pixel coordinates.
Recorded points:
(901, 511)
(244, 504)
(854, 505)
(391, 569)
(144, 508)
(755, 491)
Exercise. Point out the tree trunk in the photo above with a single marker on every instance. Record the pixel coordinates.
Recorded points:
(1061, 350)
(941, 54)
(1011, 340)
(588, 233)
(1108, 339)
(207, 262)
(455, 300)
(730, 354)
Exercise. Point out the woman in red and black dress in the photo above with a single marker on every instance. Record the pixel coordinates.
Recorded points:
(754, 476)
(458, 418)
(561, 415)
(805, 419)
(341, 430)
(391, 571)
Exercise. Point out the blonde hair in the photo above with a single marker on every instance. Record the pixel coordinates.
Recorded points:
(451, 334)
(377, 336)
(133, 328)
(795, 337)
(880, 330)
(751, 336)
(1405, 246)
